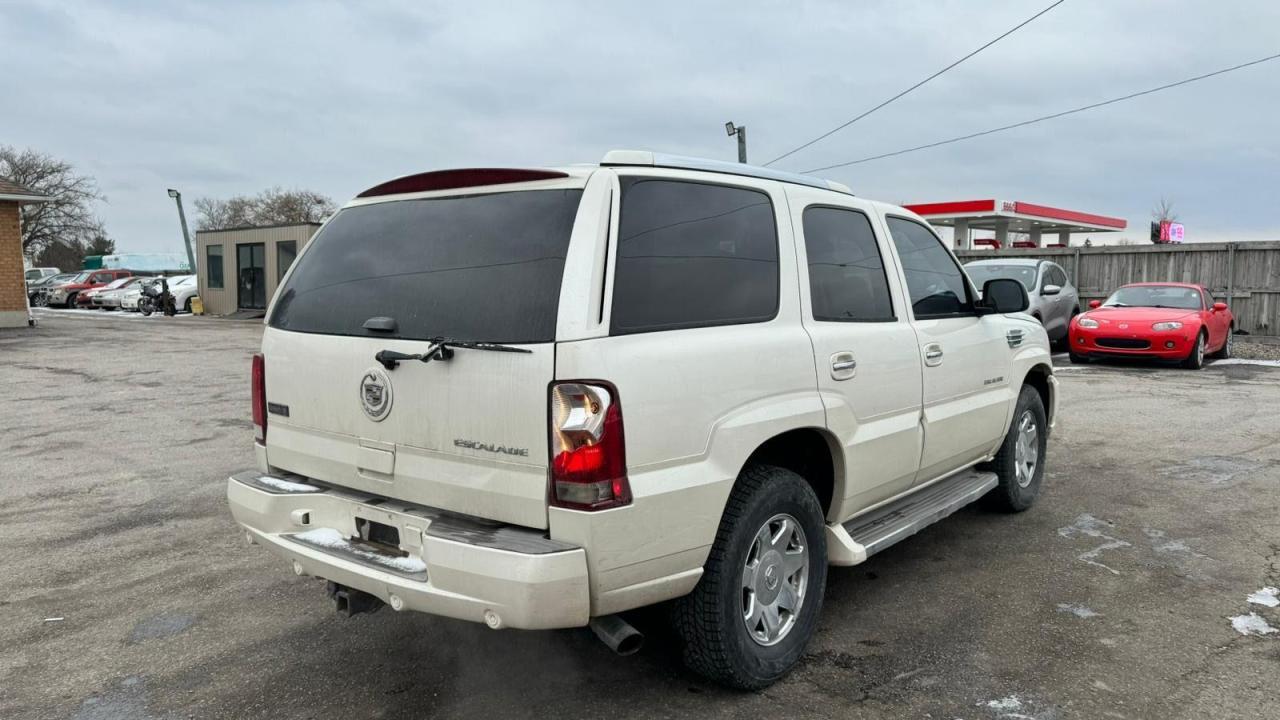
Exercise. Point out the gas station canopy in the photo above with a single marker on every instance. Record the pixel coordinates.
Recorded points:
(1005, 216)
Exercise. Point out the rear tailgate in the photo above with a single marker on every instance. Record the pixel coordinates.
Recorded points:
(466, 434)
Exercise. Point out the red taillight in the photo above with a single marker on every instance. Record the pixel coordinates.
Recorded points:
(588, 448)
(259, 398)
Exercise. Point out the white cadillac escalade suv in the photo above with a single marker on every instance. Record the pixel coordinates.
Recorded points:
(539, 398)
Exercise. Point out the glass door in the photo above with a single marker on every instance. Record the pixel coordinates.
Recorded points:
(251, 272)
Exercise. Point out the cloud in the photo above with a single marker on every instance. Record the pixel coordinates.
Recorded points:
(234, 97)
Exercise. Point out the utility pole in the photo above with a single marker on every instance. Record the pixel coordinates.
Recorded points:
(186, 234)
(741, 132)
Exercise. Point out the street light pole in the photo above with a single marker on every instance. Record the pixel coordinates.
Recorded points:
(186, 234)
(741, 132)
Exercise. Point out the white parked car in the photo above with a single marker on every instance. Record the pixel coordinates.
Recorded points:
(36, 273)
(183, 288)
(540, 398)
(129, 297)
(107, 297)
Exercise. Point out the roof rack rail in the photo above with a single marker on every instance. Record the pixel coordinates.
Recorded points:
(652, 159)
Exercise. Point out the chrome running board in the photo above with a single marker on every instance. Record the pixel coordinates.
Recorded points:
(868, 534)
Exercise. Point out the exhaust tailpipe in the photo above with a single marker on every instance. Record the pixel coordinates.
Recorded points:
(618, 634)
(350, 601)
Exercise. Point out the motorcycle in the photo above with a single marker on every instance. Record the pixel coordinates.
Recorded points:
(156, 297)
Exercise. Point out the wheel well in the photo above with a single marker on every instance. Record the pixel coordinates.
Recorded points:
(808, 453)
(1038, 378)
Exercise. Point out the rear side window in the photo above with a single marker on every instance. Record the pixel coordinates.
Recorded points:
(693, 255)
(846, 273)
(475, 267)
(936, 285)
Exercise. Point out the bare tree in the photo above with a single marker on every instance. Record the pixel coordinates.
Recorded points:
(273, 206)
(68, 218)
(1164, 211)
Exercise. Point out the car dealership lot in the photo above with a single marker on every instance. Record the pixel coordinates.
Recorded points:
(131, 594)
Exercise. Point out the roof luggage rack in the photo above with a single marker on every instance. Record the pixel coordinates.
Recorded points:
(651, 159)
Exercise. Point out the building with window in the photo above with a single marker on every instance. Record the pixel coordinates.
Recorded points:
(239, 268)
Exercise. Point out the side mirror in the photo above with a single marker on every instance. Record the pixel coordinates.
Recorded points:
(1219, 307)
(1095, 304)
(1050, 289)
(1003, 295)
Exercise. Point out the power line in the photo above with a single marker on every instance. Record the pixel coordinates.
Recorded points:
(1047, 117)
(838, 128)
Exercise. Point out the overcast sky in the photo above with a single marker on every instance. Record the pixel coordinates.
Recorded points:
(233, 97)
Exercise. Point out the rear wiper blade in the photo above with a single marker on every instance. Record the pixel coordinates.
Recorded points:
(441, 348)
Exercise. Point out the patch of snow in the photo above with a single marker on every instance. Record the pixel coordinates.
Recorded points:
(1267, 596)
(1246, 361)
(1091, 557)
(1091, 526)
(330, 538)
(1086, 524)
(1007, 704)
(1079, 611)
(286, 485)
(1252, 624)
(324, 537)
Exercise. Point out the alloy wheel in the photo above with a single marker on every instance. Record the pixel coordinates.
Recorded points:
(775, 578)
(1026, 452)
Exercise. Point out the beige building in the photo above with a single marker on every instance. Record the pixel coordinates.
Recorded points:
(239, 268)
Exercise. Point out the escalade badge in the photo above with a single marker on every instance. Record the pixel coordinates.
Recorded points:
(375, 394)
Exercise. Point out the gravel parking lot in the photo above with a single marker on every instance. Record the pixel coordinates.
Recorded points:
(136, 597)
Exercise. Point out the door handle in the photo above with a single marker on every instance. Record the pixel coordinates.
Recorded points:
(843, 365)
(933, 355)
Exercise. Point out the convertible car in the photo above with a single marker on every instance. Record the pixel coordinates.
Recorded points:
(1165, 321)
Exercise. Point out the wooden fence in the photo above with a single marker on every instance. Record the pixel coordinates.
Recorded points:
(1244, 275)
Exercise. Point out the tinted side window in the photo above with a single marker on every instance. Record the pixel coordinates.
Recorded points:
(692, 255)
(846, 274)
(1056, 276)
(935, 283)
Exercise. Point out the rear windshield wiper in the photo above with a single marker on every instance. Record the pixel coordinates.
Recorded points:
(441, 348)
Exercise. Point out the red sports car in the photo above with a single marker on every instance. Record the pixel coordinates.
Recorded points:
(1166, 321)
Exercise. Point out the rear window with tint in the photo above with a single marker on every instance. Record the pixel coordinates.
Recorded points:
(693, 255)
(476, 267)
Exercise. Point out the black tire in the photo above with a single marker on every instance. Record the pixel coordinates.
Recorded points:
(1012, 495)
(71, 301)
(717, 643)
(1224, 352)
(1195, 358)
(186, 306)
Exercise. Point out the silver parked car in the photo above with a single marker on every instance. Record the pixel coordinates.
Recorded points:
(1054, 300)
